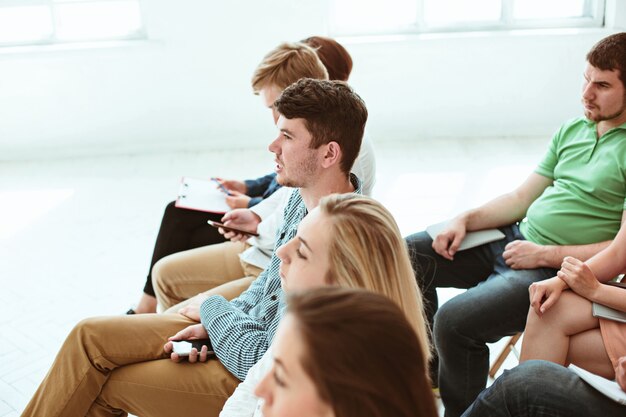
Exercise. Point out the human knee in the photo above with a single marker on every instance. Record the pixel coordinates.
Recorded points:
(447, 322)
(530, 376)
(169, 209)
(557, 315)
(162, 274)
(89, 332)
(532, 321)
(523, 374)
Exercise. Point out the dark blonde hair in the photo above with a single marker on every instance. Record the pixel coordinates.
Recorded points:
(362, 354)
(367, 251)
(286, 64)
(332, 112)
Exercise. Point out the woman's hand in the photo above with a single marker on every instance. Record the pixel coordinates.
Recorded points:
(544, 294)
(232, 185)
(577, 275)
(193, 332)
(237, 200)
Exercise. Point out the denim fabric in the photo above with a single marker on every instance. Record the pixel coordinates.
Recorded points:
(542, 389)
(495, 305)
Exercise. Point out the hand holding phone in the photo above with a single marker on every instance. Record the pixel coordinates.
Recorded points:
(232, 229)
(183, 347)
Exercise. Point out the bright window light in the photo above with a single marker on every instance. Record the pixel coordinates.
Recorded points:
(25, 24)
(56, 21)
(445, 12)
(372, 15)
(97, 20)
(548, 9)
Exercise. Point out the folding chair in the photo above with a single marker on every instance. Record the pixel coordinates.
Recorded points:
(506, 351)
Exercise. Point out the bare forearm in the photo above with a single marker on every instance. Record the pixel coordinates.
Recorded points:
(508, 208)
(552, 255)
(610, 296)
(611, 261)
(501, 211)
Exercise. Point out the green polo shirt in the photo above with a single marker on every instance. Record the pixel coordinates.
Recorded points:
(586, 200)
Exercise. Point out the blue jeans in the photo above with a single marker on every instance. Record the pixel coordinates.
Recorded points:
(495, 305)
(542, 389)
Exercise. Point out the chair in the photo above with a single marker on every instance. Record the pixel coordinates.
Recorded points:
(506, 351)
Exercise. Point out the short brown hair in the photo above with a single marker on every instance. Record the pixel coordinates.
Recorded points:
(334, 56)
(610, 54)
(332, 112)
(286, 64)
(372, 362)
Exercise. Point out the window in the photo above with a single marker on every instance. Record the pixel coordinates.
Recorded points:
(367, 17)
(38, 22)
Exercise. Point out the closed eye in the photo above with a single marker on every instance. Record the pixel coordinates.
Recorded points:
(278, 380)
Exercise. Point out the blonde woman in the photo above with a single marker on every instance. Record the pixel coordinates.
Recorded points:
(348, 241)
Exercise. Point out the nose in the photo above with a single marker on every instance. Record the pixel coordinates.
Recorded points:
(263, 390)
(274, 146)
(283, 252)
(588, 92)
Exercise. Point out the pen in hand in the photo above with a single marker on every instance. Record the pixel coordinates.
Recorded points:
(221, 186)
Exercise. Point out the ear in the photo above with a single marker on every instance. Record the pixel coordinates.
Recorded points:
(332, 154)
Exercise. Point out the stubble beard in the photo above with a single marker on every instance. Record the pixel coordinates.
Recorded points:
(603, 117)
(306, 174)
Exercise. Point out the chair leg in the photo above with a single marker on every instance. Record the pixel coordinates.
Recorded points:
(506, 350)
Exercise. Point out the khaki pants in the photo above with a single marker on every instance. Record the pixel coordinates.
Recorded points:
(182, 275)
(111, 366)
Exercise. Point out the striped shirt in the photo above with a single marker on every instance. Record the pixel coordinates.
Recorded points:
(242, 329)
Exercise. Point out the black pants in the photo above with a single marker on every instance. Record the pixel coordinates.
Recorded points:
(182, 229)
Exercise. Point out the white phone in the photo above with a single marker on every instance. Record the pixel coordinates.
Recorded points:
(183, 347)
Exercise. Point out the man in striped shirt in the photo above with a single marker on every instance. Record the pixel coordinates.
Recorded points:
(116, 365)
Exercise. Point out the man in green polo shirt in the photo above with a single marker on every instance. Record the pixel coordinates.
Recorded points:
(572, 205)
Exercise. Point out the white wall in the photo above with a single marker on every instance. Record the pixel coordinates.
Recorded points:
(188, 86)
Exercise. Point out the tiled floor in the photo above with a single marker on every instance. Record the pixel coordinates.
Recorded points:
(76, 235)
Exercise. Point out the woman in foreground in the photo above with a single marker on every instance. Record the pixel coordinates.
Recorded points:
(346, 353)
(361, 247)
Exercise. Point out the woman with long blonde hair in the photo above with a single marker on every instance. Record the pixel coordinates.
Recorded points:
(348, 241)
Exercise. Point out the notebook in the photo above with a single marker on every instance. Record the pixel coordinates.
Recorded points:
(605, 386)
(201, 195)
(599, 310)
(472, 239)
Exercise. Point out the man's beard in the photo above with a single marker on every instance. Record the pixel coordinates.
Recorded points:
(307, 170)
(603, 118)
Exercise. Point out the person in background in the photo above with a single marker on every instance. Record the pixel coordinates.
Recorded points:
(117, 365)
(179, 277)
(183, 229)
(572, 205)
